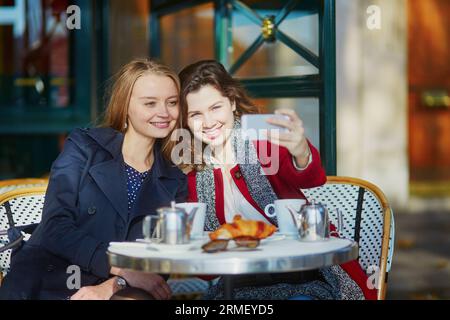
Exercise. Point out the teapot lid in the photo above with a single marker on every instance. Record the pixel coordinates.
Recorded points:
(314, 205)
(171, 209)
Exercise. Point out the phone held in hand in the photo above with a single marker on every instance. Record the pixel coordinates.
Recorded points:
(255, 126)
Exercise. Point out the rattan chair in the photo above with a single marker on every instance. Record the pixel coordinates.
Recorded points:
(368, 219)
(12, 184)
(20, 212)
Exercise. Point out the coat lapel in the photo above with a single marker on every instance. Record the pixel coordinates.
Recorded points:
(157, 190)
(110, 174)
(110, 178)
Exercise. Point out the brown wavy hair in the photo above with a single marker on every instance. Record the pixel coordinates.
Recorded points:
(213, 73)
(115, 115)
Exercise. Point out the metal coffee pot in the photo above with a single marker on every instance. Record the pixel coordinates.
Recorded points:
(313, 222)
(172, 225)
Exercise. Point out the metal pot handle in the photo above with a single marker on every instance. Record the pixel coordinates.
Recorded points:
(340, 223)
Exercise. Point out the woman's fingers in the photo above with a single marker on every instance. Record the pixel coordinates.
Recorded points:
(280, 136)
(167, 289)
(294, 124)
(284, 143)
(281, 123)
(157, 286)
(88, 293)
(164, 289)
(296, 121)
(288, 112)
(159, 293)
(78, 295)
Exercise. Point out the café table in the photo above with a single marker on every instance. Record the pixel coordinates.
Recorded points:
(274, 255)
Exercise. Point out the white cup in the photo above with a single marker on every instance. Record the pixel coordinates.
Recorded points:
(286, 224)
(198, 225)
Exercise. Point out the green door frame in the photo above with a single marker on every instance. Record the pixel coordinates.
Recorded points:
(321, 86)
(26, 120)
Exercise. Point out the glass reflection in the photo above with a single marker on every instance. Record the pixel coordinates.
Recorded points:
(274, 58)
(307, 109)
(188, 36)
(34, 54)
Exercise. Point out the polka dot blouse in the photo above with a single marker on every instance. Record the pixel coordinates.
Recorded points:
(134, 183)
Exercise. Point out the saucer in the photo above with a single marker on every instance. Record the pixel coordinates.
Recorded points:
(163, 247)
(274, 237)
(200, 237)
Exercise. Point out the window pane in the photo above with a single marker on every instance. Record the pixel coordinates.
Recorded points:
(275, 58)
(188, 36)
(307, 109)
(128, 18)
(34, 55)
(29, 156)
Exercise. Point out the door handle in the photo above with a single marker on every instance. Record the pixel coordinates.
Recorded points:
(436, 98)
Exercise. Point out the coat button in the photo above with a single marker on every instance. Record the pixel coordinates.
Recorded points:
(238, 174)
(50, 268)
(92, 210)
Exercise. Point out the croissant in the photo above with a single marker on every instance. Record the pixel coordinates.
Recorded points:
(240, 227)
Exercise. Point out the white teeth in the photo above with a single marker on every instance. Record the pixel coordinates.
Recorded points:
(209, 132)
(160, 124)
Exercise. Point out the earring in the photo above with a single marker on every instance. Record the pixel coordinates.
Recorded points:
(125, 125)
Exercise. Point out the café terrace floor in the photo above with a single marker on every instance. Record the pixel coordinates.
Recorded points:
(421, 265)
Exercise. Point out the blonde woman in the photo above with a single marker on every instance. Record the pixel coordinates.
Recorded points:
(101, 186)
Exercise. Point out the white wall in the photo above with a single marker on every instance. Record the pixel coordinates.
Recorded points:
(372, 96)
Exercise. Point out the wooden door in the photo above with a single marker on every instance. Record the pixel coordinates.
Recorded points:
(429, 90)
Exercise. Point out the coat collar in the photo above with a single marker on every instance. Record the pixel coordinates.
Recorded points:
(111, 140)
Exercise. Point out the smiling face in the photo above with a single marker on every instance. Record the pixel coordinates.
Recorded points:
(154, 106)
(210, 115)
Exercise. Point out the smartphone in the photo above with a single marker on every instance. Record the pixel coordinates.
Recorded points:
(254, 126)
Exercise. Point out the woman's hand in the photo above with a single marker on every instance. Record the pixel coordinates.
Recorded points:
(294, 140)
(103, 291)
(152, 283)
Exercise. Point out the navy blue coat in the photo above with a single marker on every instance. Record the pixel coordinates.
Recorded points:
(86, 207)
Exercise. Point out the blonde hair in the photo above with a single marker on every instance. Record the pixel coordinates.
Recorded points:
(115, 115)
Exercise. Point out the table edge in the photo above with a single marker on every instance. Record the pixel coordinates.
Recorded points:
(239, 265)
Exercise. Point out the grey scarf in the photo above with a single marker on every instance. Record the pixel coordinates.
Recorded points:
(335, 282)
(252, 172)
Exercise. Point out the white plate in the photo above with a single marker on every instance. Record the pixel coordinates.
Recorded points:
(127, 244)
(203, 237)
(274, 237)
(172, 247)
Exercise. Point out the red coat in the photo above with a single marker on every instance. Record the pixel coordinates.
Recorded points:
(286, 183)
